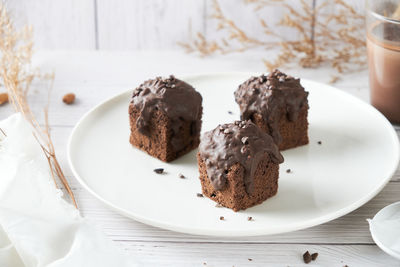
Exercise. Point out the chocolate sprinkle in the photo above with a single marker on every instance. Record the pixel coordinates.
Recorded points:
(319, 142)
(199, 195)
(159, 170)
(223, 147)
(178, 100)
(250, 259)
(270, 96)
(288, 170)
(307, 257)
(314, 256)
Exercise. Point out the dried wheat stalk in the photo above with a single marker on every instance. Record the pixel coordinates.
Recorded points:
(325, 36)
(2, 132)
(17, 76)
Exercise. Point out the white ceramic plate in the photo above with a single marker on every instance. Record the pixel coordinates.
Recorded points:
(384, 229)
(358, 155)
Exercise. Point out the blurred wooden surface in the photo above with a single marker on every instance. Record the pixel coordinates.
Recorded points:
(136, 24)
(96, 75)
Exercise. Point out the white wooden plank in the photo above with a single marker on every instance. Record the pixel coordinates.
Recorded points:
(144, 24)
(57, 24)
(124, 68)
(141, 24)
(221, 255)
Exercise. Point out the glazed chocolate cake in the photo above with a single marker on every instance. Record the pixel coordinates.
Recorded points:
(239, 165)
(278, 104)
(165, 118)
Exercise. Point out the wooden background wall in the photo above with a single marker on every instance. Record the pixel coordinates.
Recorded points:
(131, 24)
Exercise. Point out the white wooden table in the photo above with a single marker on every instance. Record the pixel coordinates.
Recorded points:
(95, 76)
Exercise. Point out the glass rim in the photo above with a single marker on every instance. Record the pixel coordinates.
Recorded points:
(382, 17)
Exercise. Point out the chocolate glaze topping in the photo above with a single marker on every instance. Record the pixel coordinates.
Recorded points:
(270, 95)
(177, 99)
(239, 142)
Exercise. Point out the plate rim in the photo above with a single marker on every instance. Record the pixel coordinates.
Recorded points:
(258, 232)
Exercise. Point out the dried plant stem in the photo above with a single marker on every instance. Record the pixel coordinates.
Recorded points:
(327, 34)
(334, 79)
(2, 131)
(17, 75)
(313, 25)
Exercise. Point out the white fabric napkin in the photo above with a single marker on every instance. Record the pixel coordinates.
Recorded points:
(37, 226)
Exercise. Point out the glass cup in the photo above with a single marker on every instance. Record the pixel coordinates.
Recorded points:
(383, 48)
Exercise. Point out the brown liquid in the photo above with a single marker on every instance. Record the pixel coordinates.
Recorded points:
(384, 69)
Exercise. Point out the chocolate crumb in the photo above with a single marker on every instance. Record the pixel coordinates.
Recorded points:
(250, 259)
(230, 112)
(3, 98)
(159, 170)
(288, 170)
(199, 195)
(307, 257)
(221, 218)
(314, 256)
(182, 176)
(249, 218)
(69, 98)
(319, 142)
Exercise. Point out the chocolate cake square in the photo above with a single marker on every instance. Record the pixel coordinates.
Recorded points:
(238, 165)
(278, 104)
(165, 118)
